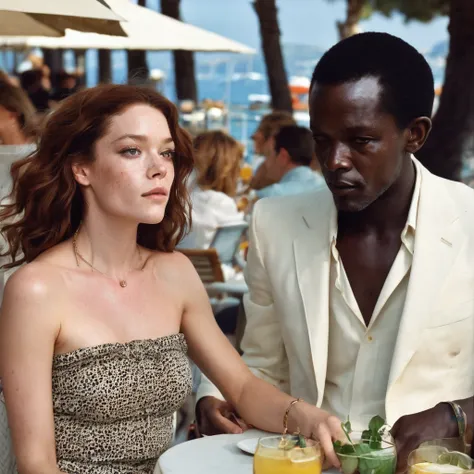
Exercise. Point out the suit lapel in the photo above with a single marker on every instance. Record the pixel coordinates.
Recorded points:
(436, 247)
(312, 252)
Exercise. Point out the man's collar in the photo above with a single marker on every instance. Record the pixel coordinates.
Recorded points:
(415, 200)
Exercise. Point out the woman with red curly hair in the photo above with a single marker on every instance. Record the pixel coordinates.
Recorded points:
(95, 328)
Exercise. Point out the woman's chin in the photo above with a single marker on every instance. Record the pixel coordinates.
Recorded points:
(152, 219)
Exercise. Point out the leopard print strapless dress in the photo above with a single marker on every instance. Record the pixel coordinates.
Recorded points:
(114, 404)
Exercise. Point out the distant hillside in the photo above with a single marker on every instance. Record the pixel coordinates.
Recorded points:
(300, 60)
(440, 49)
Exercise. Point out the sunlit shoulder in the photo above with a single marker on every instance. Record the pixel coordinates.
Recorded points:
(34, 282)
(175, 265)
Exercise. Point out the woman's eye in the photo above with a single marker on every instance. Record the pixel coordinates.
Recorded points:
(171, 154)
(131, 152)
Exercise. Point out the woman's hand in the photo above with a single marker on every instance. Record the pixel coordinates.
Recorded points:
(319, 425)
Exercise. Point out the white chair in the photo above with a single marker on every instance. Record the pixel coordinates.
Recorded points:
(227, 241)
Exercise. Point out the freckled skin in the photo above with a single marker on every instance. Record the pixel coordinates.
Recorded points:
(117, 180)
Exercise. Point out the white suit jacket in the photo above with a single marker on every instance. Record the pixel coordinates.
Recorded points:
(287, 309)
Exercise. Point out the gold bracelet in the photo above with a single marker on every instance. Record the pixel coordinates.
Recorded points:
(287, 412)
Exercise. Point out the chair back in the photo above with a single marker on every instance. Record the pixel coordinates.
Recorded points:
(207, 264)
(227, 240)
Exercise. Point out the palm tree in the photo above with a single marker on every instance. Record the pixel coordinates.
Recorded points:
(452, 138)
(105, 66)
(184, 68)
(54, 59)
(270, 35)
(137, 64)
(350, 26)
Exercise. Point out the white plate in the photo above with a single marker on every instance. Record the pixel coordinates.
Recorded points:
(248, 446)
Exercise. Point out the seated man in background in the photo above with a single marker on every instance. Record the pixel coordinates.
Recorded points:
(361, 294)
(288, 163)
(67, 85)
(263, 144)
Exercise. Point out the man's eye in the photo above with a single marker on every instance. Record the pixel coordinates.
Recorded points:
(362, 140)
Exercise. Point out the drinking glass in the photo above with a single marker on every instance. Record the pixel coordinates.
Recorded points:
(282, 455)
(246, 173)
(372, 459)
(436, 459)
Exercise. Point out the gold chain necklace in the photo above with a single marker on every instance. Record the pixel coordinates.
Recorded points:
(123, 283)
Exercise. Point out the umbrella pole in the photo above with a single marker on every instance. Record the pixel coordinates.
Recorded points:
(228, 93)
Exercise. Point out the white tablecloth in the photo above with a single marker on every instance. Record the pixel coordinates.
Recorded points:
(211, 455)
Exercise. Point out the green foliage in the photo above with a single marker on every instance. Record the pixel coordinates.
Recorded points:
(421, 10)
(301, 441)
(366, 456)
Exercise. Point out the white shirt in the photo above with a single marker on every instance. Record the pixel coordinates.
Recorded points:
(211, 209)
(360, 357)
(8, 155)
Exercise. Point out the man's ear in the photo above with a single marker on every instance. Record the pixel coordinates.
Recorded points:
(417, 133)
(81, 173)
(284, 156)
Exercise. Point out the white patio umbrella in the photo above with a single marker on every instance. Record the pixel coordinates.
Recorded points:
(52, 17)
(145, 30)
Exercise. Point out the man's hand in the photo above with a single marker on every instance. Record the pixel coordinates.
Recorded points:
(412, 430)
(215, 416)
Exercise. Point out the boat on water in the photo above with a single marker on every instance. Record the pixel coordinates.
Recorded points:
(299, 90)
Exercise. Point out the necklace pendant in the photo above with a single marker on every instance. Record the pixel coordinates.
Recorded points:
(123, 283)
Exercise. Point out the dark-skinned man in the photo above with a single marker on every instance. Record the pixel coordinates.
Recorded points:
(361, 297)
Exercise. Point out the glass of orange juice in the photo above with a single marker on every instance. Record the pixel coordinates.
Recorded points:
(246, 172)
(438, 460)
(284, 455)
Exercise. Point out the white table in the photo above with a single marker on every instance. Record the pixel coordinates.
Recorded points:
(211, 455)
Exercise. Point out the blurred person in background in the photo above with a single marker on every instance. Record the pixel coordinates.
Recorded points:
(263, 144)
(67, 85)
(17, 131)
(6, 78)
(289, 162)
(32, 82)
(218, 158)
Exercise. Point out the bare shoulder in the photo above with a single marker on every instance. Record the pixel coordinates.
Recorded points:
(175, 265)
(30, 308)
(33, 283)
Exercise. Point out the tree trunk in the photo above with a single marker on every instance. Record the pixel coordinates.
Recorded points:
(137, 66)
(138, 71)
(53, 58)
(270, 36)
(105, 66)
(80, 55)
(452, 137)
(350, 26)
(184, 67)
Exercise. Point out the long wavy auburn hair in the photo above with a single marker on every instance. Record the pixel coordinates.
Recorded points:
(46, 205)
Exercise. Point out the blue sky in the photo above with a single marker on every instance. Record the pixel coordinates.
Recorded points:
(301, 21)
